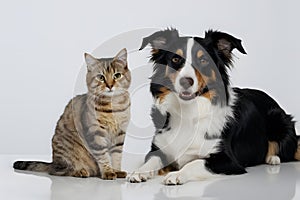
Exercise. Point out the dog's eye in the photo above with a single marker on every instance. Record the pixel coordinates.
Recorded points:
(203, 61)
(101, 78)
(175, 60)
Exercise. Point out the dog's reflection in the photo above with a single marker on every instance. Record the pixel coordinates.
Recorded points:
(262, 182)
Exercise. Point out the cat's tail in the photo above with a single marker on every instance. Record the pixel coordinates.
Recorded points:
(35, 166)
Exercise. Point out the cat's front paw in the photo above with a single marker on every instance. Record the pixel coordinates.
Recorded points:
(109, 176)
(137, 177)
(121, 174)
(83, 173)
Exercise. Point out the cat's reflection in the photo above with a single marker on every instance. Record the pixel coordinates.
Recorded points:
(63, 188)
(89, 188)
(263, 182)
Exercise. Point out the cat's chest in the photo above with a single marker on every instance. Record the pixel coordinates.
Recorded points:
(113, 113)
(114, 121)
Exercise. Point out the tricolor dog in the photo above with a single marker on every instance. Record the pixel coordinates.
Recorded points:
(203, 125)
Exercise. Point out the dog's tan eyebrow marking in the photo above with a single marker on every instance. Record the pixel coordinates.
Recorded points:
(273, 148)
(200, 53)
(179, 52)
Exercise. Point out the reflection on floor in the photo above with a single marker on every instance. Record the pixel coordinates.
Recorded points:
(262, 182)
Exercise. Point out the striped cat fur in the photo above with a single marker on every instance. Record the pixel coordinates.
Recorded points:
(89, 136)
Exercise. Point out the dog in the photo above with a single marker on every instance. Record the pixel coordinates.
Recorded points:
(205, 127)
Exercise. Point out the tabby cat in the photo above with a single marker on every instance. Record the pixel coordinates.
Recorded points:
(89, 135)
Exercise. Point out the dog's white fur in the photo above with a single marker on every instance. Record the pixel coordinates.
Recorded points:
(187, 71)
(185, 142)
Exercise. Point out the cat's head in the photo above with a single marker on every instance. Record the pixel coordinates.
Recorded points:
(108, 76)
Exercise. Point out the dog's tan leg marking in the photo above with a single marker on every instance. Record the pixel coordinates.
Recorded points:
(297, 154)
(272, 158)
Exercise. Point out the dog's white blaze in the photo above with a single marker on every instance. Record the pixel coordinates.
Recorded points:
(187, 70)
(190, 44)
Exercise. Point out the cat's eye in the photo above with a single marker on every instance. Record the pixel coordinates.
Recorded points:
(101, 78)
(117, 76)
(175, 60)
(203, 61)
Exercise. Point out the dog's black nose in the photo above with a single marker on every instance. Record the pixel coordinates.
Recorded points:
(186, 82)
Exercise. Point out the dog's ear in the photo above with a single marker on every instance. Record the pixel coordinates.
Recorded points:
(160, 39)
(224, 43)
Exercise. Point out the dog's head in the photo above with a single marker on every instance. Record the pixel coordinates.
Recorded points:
(191, 66)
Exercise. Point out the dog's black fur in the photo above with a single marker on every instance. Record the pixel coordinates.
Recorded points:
(257, 119)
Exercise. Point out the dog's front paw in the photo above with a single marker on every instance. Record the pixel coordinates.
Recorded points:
(273, 160)
(137, 177)
(175, 178)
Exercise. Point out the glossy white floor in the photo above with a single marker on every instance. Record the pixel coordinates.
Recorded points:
(262, 182)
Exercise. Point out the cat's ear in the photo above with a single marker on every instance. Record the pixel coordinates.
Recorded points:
(91, 62)
(121, 57)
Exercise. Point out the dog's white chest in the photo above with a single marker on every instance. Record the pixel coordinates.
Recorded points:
(189, 125)
(186, 140)
(195, 144)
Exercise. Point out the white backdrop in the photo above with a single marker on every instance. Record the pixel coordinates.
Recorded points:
(42, 45)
